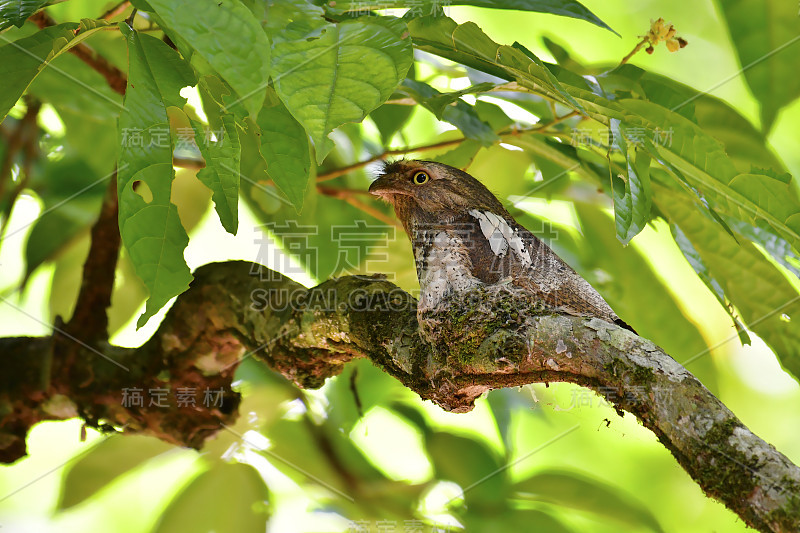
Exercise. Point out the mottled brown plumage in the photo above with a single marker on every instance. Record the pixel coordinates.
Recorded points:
(463, 236)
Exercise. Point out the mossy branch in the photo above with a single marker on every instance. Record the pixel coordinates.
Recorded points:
(490, 338)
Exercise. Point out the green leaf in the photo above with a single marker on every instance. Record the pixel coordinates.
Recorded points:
(308, 236)
(221, 173)
(212, 92)
(71, 193)
(22, 60)
(229, 38)
(699, 266)
(149, 224)
(372, 386)
(413, 415)
(16, 12)
(154, 237)
(766, 36)
(340, 72)
(461, 156)
(109, 459)
(225, 498)
(288, 19)
(746, 146)
(631, 209)
(471, 464)
(468, 45)
(767, 302)
(564, 8)
(780, 250)
(170, 71)
(436, 102)
(463, 116)
(501, 407)
(576, 491)
(450, 108)
(70, 93)
(514, 520)
(555, 153)
(390, 118)
(701, 160)
(286, 151)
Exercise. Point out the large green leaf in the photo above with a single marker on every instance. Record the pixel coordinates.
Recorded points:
(338, 73)
(436, 102)
(450, 108)
(768, 303)
(16, 12)
(225, 498)
(460, 156)
(229, 38)
(745, 145)
(766, 36)
(577, 491)
(108, 460)
(286, 151)
(170, 71)
(221, 174)
(317, 237)
(22, 60)
(149, 224)
(468, 45)
(631, 208)
(471, 464)
(565, 8)
(705, 275)
(71, 93)
(759, 199)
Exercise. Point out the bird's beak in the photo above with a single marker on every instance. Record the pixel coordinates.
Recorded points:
(385, 187)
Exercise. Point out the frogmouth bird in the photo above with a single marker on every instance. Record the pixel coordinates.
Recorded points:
(462, 237)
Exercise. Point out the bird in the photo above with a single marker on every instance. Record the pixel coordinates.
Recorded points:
(462, 237)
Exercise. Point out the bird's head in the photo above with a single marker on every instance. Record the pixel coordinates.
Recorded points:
(430, 192)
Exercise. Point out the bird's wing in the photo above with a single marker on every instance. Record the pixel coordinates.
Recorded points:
(503, 248)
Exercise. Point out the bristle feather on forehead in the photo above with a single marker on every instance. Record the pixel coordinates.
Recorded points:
(402, 165)
(392, 167)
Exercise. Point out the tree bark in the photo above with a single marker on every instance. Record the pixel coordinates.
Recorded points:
(492, 337)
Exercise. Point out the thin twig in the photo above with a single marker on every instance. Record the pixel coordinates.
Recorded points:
(540, 129)
(188, 162)
(633, 52)
(349, 197)
(335, 191)
(116, 10)
(335, 173)
(557, 120)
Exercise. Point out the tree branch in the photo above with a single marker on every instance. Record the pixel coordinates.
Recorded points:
(492, 337)
(90, 319)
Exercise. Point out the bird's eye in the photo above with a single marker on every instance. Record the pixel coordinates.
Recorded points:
(421, 178)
